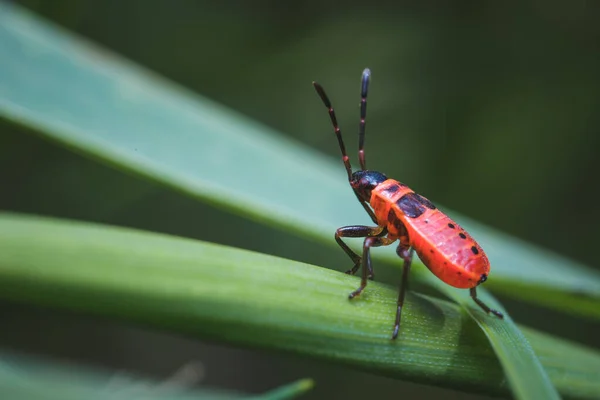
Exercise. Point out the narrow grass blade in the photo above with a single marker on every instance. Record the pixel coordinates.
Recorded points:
(32, 378)
(245, 298)
(289, 391)
(524, 371)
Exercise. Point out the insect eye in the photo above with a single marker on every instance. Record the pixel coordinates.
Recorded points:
(483, 278)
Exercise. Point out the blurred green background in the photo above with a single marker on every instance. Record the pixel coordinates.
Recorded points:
(489, 109)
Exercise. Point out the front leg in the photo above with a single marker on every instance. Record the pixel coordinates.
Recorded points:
(366, 260)
(355, 231)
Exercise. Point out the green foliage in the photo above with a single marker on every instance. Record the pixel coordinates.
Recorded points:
(96, 104)
(246, 298)
(35, 379)
(523, 369)
(131, 119)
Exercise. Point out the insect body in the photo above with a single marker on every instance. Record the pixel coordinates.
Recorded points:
(401, 214)
(447, 250)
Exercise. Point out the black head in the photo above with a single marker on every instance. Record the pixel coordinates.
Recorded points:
(363, 183)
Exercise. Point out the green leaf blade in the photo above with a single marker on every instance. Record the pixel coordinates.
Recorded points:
(517, 356)
(251, 299)
(522, 367)
(194, 288)
(32, 378)
(288, 391)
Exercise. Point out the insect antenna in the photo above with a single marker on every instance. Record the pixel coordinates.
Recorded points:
(336, 127)
(364, 88)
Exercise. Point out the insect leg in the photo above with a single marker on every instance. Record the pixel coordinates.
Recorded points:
(371, 275)
(484, 307)
(366, 260)
(406, 253)
(356, 231)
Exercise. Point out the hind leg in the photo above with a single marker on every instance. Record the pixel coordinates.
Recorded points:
(484, 307)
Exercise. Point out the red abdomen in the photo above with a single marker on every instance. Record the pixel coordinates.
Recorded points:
(443, 246)
(448, 250)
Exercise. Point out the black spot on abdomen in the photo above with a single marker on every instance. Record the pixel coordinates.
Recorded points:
(410, 204)
(474, 250)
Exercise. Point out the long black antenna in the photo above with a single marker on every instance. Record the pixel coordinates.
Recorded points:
(336, 127)
(364, 88)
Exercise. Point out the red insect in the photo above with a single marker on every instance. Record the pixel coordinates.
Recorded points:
(401, 214)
